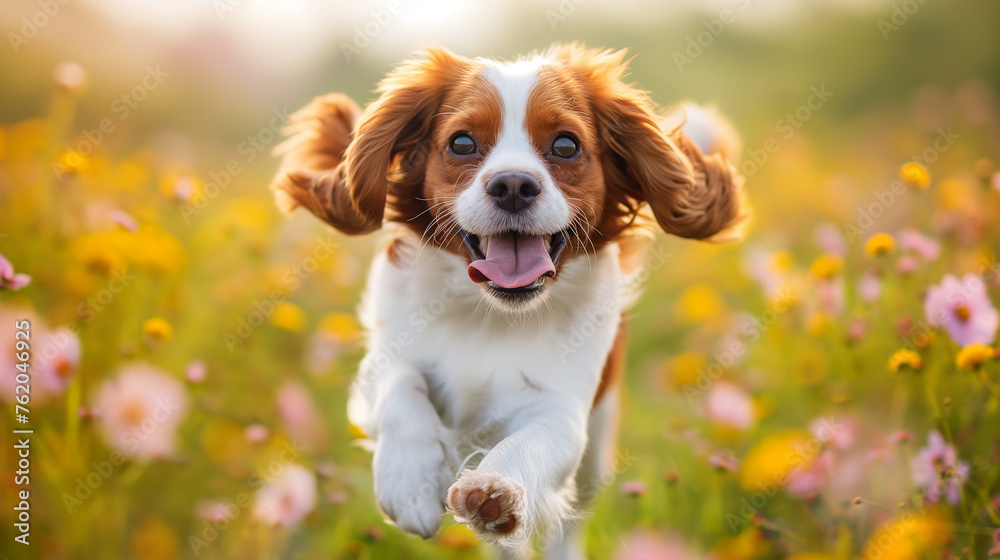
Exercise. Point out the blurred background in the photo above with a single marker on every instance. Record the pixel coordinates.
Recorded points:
(799, 395)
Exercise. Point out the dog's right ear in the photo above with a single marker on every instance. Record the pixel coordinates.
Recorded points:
(312, 174)
(340, 171)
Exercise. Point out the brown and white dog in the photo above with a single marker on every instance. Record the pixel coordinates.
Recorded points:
(516, 193)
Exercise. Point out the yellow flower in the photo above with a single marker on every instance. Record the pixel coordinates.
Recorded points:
(908, 537)
(131, 175)
(288, 316)
(343, 326)
(26, 138)
(904, 358)
(154, 540)
(973, 356)
(827, 266)
(811, 556)
(102, 252)
(459, 537)
(157, 328)
(73, 162)
(748, 545)
(954, 194)
(685, 368)
(769, 462)
(781, 261)
(880, 244)
(698, 303)
(915, 174)
(818, 323)
(356, 432)
(156, 250)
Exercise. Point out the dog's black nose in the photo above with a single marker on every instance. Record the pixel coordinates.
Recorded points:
(513, 190)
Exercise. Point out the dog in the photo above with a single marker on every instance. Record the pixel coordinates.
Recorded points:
(520, 196)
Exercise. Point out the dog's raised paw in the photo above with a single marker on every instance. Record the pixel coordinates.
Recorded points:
(492, 505)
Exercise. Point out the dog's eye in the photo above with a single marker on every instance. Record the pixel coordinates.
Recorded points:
(564, 147)
(463, 144)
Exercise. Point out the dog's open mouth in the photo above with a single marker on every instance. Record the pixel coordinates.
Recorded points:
(514, 263)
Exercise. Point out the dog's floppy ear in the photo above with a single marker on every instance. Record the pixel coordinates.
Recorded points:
(342, 166)
(691, 194)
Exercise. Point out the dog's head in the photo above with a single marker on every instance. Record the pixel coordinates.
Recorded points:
(518, 166)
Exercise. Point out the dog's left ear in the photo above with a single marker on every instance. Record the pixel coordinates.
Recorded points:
(345, 165)
(691, 194)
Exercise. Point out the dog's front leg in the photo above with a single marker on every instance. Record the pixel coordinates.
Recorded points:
(414, 461)
(525, 483)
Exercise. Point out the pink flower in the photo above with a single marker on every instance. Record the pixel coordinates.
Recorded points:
(901, 436)
(906, 264)
(839, 434)
(196, 372)
(256, 433)
(963, 309)
(724, 460)
(300, 416)
(56, 360)
(139, 411)
(856, 331)
(729, 405)
(8, 279)
(870, 288)
(927, 247)
(288, 498)
(810, 481)
(830, 239)
(647, 545)
(124, 220)
(937, 469)
(635, 488)
(830, 295)
(215, 512)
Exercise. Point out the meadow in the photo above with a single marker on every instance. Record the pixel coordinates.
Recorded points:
(827, 389)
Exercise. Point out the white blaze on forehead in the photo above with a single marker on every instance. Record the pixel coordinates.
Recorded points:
(514, 81)
(513, 151)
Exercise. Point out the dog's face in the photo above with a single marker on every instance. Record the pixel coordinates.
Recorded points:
(519, 167)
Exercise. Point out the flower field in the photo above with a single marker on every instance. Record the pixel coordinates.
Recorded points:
(827, 389)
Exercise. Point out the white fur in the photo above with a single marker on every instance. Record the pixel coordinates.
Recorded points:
(476, 211)
(451, 383)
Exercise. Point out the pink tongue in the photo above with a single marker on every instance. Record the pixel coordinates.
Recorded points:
(513, 260)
